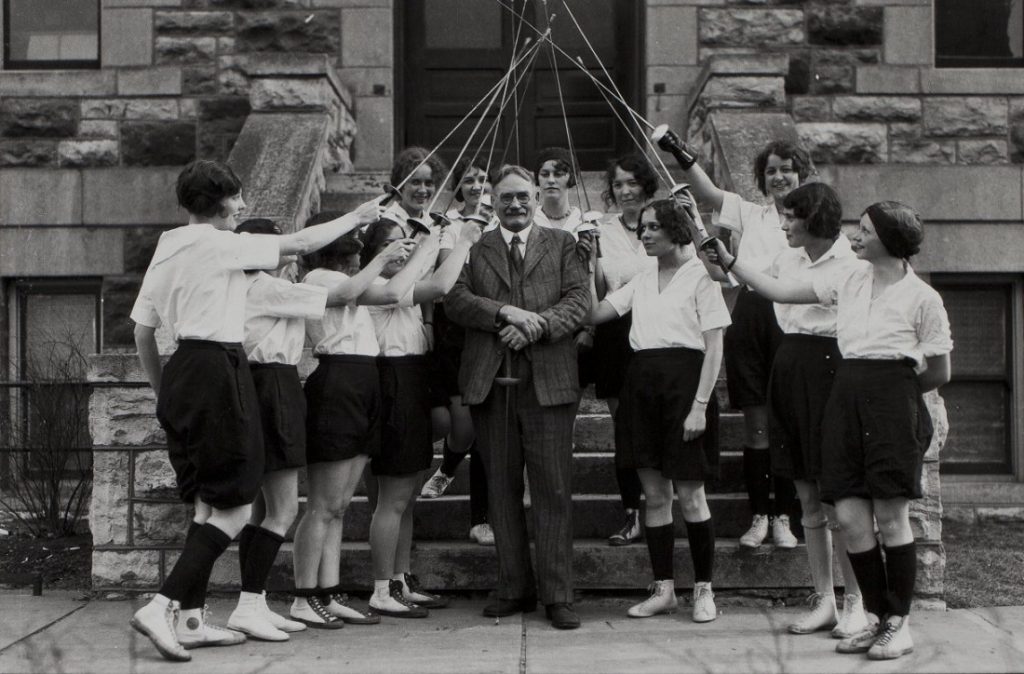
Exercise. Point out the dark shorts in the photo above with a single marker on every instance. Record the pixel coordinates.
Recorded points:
(343, 397)
(801, 381)
(282, 413)
(611, 356)
(449, 339)
(653, 405)
(406, 445)
(209, 410)
(875, 432)
(750, 344)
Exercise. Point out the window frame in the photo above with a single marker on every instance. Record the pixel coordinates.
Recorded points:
(54, 64)
(956, 61)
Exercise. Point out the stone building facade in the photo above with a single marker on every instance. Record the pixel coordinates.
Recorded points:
(88, 158)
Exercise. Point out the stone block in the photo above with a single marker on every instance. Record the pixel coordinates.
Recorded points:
(87, 153)
(160, 81)
(130, 108)
(374, 146)
(128, 569)
(835, 71)
(124, 417)
(877, 108)
(133, 45)
(109, 505)
(676, 80)
(661, 109)
(141, 3)
(909, 145)
(160, 523)
(965, 116)
(154, 476)
(762, 92)
(131, 196)
(186, 50)
(985, 151)
(245, 4)
(220, 121)
(1000, 514)
(845, 26)
(749, 64)
(66, 82)
(908, 35)
(364, 3)
(366, 37)
(40, 197)
(54, 251)
(992, 81)
(811, 108)
(158, 143)
(267, 93)
(671, 36)
(844, 143)
(38, 117)
(231, 78)
(225, 45)
(28, 153)
(888, 80)
(97, 128)
(288, 32)
(931, 571)
(192, 23)
(940, 425)
(1017, 130)
(188, 108)
(199, 80)
(751, 27)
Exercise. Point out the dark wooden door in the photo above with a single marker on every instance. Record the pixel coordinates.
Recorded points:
(456, 50)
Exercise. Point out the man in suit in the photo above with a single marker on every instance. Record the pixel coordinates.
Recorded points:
(524, 291)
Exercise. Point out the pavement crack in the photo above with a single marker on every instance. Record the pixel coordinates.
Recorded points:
(522, 650)
(43, 628)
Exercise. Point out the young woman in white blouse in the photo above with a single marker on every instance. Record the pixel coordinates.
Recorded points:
(555, 176)
(630, 184)
(751, 340)
(406, 440)
(667, 423)
(893, 334)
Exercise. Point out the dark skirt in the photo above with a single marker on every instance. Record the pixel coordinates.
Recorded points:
(875, 432)
(282, 413)
(611, 356)
(209, 410)
(406, 445)
(344, 408)
(750, 344)
(655, 400)
(802, 375)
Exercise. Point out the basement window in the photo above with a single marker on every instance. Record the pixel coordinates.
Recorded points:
(979, 33)
(51, 34)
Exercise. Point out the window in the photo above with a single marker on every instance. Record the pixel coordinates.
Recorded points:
(51, 34)
(980, 398)
(979, 33)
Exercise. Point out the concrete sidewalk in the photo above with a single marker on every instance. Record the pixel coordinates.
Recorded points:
(57, 633)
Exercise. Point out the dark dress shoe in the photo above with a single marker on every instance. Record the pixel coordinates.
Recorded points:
(507, 607)
(562, 616)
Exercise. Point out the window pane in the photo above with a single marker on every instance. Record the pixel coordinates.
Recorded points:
(53, 30)
(978, 438)
(60, 331)
(978, 320)
(979, 32)
(463, 24)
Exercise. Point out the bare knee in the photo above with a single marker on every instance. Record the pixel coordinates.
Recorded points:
(693, 503)
(280, 517)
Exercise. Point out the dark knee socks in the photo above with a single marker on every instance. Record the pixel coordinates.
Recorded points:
(871, 577)
(450, 460)
(478, 495)
(629, 487)
(901, 572)
(660, 545)
(756, 469)
(702, 549)
(260, 551)
(191, 572)
(786, 502)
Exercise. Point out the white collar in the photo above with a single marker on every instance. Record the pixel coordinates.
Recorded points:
(839, 248)
(524, 234)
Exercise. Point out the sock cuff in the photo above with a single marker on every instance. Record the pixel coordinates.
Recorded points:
(703, 524)
(213, 536)
(266, 533)
(305, 592)
(905, 549)
(670, 527)
(327, 591)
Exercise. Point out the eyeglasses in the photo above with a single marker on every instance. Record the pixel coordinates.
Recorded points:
(507, 197)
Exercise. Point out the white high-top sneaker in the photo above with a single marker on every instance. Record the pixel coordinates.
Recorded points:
(250, 618)
(156, 621)
(278, 620)
(195, 631)
(662, 600)
(704, 610)
(861, 641)
(822, 616)
(312, 612)
(853, 619)
(757, 532)
(782, 535)
(893, 640)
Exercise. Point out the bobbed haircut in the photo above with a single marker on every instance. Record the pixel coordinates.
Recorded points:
(462, 167)
(373, 238)
(334, 254)
(818, 206)
(257, 226)
(204, 184)
(898, 226)
(641, 169)
(563, 162)
(671, 218)
(410, 158)
(783, 149)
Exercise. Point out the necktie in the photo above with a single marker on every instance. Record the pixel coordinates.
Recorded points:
(515, 256)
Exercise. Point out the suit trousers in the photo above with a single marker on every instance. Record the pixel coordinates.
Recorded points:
(514, 430)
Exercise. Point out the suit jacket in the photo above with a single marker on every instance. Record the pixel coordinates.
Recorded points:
(555, 285)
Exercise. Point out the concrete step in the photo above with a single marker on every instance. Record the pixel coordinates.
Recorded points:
(464, 566)
(596, 432)
(594, 516)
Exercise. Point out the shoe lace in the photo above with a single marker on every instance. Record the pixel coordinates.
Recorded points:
(814, 601)
(439, 482)
(399, 596)
(850, 603)
(171, 615)
(887, 633)
(702, 594)
(340, 599)
(627, 527)
(319, 609)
